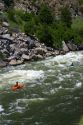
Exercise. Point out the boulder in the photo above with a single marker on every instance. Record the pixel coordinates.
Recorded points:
(26, 57)
(48, 54)
(65, 47)
(7, 36)
(15, 62)
(49, 49)
(5, 24)
(41, 51)
(56, 52)
(2, 63)
(62, 52)
(31, 43)
(3, 30)
(4, 51)
(24, 50)
(11, 58)
(80, 47)
(37, 57)
(72, 46)
(23, 45)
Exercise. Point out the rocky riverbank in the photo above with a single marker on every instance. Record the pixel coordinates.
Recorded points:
(18, 48)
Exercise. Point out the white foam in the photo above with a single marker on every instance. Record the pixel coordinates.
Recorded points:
(78, 85)
(1, 109)
(65, 60)
(21, 75)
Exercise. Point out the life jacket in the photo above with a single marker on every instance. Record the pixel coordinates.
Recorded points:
(19, 86)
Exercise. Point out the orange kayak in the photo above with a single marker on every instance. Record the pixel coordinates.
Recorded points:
(20, 86)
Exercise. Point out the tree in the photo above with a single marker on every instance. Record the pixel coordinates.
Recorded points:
(8, 3)
(66, 16)
(45, 15)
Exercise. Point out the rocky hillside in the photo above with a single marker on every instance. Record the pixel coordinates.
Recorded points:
(33, 5)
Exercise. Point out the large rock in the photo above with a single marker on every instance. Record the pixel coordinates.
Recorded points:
(24, 50)
(72, 46)
(48, 54)
(41, 51)
(23, 45)
(49, 49)
(4, 51)
(37, 57)
(12, 58)
(5, 24)
(26, 57)
(30, 42)
(7, 36)
(15, 62)
(65, 47)
(2, 63)
(80, 47)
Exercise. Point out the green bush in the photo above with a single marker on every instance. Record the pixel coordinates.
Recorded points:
(44, 35)
(29, 27)
(11, 14)
(66, 16)
(45, 15)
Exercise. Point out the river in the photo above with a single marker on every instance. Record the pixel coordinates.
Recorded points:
(53, 92)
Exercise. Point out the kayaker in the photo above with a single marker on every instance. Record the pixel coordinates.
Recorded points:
(17, 86)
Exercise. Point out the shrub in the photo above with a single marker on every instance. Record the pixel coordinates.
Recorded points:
(29, 27)
(11, 14)
(45, 15)
(44, 35)
(66, 16)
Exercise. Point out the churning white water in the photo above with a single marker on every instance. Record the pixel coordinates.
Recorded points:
(52, 65)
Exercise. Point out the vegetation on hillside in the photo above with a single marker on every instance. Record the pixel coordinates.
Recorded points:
(45, 26)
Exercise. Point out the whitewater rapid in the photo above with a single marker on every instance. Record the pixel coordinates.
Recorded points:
(30, 73)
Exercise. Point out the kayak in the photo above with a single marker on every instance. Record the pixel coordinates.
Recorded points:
(20, 86)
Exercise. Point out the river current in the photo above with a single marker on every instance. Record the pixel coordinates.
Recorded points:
(53, 92)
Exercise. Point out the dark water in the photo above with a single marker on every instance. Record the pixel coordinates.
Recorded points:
(53, 92)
